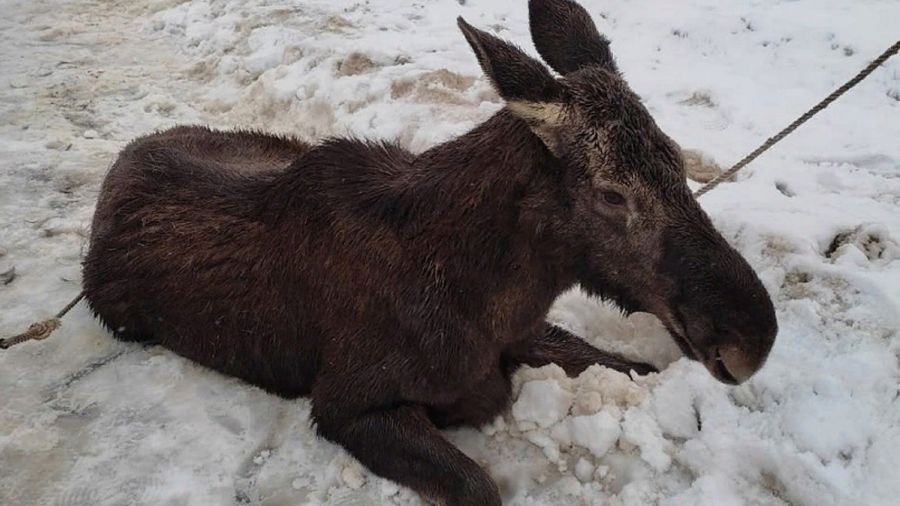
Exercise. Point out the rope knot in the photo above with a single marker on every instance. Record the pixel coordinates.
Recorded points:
(36, 331)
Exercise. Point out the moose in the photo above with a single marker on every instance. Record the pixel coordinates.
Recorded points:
(400, 291)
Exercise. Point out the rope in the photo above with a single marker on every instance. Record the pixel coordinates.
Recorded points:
(43, 329)
(891, 51)
(62, 312)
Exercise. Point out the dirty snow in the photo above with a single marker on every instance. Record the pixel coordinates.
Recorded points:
(87, 420)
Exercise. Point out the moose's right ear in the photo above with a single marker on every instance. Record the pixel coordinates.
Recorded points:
(566, 37)
(515, 75)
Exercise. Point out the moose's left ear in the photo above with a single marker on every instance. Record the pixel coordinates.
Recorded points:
(531, 92)
(514, 74)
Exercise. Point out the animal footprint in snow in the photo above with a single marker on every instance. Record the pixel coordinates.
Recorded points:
(703, 109)
(7, 276)
(869, 243)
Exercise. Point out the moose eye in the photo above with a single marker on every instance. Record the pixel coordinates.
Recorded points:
(613, 198)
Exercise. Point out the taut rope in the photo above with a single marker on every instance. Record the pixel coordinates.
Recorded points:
(43, 329)
(891, 51)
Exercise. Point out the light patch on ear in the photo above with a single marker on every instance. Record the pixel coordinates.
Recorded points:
(544, 119)
(547, 113)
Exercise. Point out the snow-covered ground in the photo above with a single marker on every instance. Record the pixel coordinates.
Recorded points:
(87, 420)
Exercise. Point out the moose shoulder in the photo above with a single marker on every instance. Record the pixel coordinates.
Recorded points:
(401, 291)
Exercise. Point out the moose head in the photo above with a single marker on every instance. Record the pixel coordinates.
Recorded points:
(622, 205)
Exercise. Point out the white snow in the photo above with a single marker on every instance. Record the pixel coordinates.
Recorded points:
(87, 420)
(597, 432)
(541, 403)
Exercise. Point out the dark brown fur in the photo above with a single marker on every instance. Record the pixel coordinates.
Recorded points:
(400, 291)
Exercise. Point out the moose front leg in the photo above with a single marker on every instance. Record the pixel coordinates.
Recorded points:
(557, 346)
(403, 445)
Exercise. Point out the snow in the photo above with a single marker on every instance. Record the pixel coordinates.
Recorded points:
(87, 420)
(597, 432)
(541, 402)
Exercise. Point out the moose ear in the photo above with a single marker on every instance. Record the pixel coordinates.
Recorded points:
(515, 75)
(566, 37)
(530, 91)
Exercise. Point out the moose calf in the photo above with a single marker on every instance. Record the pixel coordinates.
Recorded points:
(400, 291)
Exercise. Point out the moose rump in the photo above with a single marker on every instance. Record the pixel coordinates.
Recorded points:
(179, 249)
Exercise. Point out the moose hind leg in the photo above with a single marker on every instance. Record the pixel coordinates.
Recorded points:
(402, 445)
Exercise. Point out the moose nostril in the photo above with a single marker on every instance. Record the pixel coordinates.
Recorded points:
(738, 363)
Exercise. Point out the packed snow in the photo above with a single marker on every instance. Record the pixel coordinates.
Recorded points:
(88, 420)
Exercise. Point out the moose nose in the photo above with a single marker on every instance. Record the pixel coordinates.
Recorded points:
(738, 363)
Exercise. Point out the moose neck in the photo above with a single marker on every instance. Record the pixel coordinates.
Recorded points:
(494, 190)
(501, 152)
